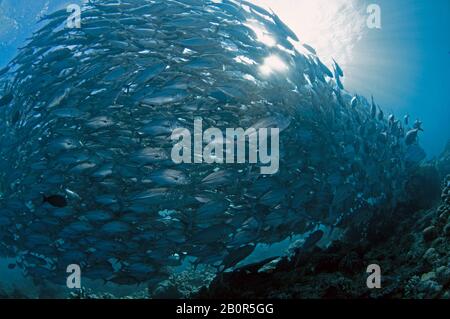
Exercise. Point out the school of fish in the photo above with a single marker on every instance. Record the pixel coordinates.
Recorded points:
(86, 117)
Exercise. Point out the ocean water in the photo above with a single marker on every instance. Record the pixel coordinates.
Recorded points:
(110, 176)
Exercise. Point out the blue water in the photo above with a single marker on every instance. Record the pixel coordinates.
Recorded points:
(405, 65)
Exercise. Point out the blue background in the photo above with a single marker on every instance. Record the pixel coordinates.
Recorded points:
(405, 65)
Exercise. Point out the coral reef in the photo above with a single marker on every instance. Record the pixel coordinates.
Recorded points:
(411, 246)
(184, 284)
(443, 163)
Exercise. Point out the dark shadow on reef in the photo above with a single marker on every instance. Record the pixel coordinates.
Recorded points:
(411, 244)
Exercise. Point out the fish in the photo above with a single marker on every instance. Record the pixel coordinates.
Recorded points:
(373, 109)
(115, 227)
(6, 99)
(217, 178)
(123, 279)
(312, 239)
(63, 144)
(339, 71)
(4, 70)
(98, 216)
(5, 221)
(277, 121)
(237, 255)
(140, 268)
(406, 119)
(273, 197)
(79, 227)
(149, 73)
(212, 234)
(418, 125)
(99, 122)
(68, 113)
(391, 120)
(167, 177)
(354, 102)
(411, 136)
(86, 172)
(55, 200)
(212, 209)
(284, 28)
(309, 48)
(149, 155)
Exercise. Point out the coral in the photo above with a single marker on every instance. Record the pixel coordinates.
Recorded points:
(429, 233)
